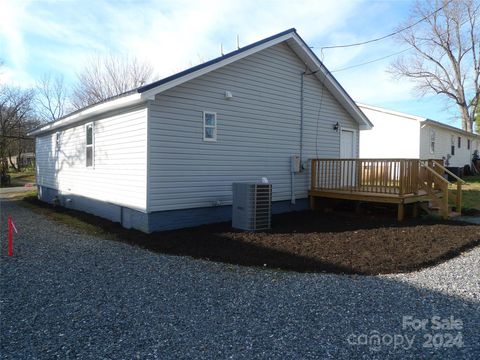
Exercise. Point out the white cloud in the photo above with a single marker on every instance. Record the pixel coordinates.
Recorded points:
(12, 15)
(48, 36)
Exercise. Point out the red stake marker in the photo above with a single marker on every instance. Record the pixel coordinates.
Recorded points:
(10, 237)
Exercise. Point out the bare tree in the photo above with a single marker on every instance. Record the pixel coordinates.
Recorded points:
(107, 76)
(445, 56)
(477, 117)
(51, 97)
(16, 119)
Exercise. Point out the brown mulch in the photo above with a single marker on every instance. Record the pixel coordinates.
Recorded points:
(371, 242)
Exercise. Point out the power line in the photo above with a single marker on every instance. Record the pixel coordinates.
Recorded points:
(388, 35)
(383, 57)
(371, 61)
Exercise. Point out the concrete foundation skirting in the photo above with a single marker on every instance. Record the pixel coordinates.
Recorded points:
(155, 221)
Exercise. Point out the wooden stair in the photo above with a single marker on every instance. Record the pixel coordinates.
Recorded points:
(431, 209)
(436, 187)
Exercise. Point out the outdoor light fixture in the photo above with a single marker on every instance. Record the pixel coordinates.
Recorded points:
(336, 126)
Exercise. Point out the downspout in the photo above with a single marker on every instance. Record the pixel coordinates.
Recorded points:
(302, 81)
(292, 167)
(302, 91)
(292, 183)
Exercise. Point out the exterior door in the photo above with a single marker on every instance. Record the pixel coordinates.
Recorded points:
(347, 142)
(348, 168)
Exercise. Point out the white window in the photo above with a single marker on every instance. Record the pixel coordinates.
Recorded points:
(89, 144)
(432, 141)
(57, 141)
(209, 126)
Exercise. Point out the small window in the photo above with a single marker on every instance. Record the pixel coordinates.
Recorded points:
(468, 144)
(432, 141)
(209, 126)
(57, 141)
(453, 150)
(459, 142)
(89, 144)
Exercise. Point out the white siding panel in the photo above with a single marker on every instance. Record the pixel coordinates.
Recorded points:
(120, 158)
(443, 144)
(392, 136)
(258, 131)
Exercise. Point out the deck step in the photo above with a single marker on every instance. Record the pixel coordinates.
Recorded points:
(435, 210)
(454, 214)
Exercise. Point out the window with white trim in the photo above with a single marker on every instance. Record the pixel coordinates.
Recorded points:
(89, 144)
(57, 141)
(432, 141)
(209, 126)
(452, 152)
(459, 142)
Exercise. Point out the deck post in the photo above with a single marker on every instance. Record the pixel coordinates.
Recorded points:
(313, 170)
(401, 187)
(445, 209)
(359, 165)
(401, 212)
(459, 197)
(415, 210)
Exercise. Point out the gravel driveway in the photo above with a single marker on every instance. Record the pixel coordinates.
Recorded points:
(67, 295)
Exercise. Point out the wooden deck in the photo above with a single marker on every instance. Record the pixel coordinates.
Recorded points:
(394, 181)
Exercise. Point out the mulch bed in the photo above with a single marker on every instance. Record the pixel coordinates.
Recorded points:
(371, 242)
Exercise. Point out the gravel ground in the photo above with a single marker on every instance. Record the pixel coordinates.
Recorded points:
(71, 296)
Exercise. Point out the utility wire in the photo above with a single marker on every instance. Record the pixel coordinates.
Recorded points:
(383, 57)
(371, 61)
(388, 35)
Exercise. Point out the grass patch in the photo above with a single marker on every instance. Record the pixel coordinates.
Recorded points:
(20, 178)
(64, 216)
(470, 194)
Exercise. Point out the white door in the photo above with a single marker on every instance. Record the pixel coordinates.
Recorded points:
(347, 142)
(347, 151)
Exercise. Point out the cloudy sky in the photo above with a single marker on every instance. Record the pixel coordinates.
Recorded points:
(56, 36)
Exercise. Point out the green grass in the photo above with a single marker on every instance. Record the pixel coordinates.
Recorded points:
(61, 215)
(470, 193)
(20, 178)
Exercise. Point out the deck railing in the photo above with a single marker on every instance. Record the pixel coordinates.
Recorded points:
(388, 176)
(394, 177)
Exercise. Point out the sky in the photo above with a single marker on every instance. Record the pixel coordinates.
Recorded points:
(39, 37)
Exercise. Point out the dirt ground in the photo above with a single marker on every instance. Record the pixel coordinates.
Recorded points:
(371, 242)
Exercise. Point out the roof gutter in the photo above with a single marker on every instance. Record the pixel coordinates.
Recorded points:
(449, 127)
(101, 108)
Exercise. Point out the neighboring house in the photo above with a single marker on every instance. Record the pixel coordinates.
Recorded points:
(165, 155)
(25, 160)
(399, 135)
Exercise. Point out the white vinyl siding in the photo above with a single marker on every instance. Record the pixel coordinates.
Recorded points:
(446, 142)
(257, 131)
(119, 158)
(392, 136)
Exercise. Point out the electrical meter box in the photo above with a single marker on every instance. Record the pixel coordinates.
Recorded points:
(295, 163)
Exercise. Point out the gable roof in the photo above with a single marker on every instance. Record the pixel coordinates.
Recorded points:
(423, 120)
(148, 92)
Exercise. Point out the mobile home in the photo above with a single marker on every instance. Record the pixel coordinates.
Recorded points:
(400, 135)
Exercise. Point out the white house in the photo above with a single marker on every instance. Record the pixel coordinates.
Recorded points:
(165, 155)
(399, 135)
